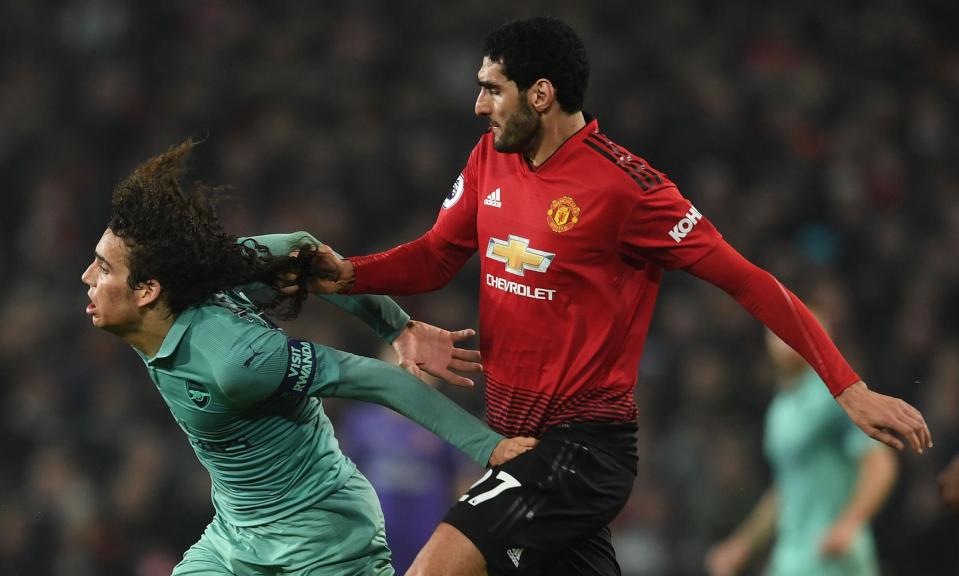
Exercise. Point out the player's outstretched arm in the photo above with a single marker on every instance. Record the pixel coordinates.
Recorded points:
(882, 417)
(290, 367)
(370, 380)
(423, 265)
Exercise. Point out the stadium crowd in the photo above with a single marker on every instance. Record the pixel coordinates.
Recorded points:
(819, 137)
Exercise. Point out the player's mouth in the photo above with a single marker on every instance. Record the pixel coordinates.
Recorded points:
(91, 308)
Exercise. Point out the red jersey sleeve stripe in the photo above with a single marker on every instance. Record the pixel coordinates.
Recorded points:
(625, 160)
(631, 160)
(643, 183)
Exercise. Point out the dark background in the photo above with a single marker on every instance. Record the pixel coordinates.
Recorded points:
(820, 137)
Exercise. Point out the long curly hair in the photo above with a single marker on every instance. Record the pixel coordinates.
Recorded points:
(175, 236)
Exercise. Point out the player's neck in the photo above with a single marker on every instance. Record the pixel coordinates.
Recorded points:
(557, 129)
(148, 336)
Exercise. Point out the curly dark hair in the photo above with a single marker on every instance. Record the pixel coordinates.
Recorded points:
(542, 47)
(175, 236)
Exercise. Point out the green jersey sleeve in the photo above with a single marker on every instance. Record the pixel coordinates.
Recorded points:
(370, 380)
(267, 363)
(380, 313)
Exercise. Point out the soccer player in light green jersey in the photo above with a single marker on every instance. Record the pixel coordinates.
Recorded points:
(830, 479)
(169, 281)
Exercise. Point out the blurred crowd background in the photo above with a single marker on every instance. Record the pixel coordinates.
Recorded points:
(820, 137)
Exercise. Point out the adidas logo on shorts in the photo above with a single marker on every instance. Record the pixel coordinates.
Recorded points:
(514, 553)
(494, 199)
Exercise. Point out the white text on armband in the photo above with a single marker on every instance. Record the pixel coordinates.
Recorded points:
(519, 289)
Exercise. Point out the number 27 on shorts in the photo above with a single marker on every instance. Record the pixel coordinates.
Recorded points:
(506, 482)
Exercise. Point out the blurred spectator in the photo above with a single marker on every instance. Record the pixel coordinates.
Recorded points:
(829, 481)
(414, 472)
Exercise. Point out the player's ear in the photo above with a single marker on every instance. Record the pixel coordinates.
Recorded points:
(541, 95)
(147, 292)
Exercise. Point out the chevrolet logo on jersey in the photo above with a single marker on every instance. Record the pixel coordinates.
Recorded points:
(517, 255)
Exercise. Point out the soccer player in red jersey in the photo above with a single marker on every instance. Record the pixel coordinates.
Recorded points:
(574, 233)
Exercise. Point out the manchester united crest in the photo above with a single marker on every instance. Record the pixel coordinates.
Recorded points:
(563, 214)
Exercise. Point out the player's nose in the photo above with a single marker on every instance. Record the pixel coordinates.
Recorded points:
(87, 276)
(482, 107)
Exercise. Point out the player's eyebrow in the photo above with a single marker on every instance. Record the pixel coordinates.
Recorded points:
(488, 85)
(103, 260)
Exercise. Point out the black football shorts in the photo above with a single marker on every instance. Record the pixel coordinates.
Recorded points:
(547, 511)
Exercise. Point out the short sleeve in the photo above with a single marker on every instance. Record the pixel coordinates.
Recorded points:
(456, 222)
(664, 228)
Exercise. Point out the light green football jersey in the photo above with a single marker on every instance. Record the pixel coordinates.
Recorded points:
(815, 451)
(248, 398)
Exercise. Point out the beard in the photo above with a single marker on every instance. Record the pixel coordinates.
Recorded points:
(520, 131)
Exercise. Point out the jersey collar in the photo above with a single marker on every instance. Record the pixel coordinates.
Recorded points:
(175, 334)
(571, 143)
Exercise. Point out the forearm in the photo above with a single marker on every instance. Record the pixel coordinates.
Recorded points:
(760, 527)
(374, 381)
(423, 265)
(877, 474)
(381, 313)
(779, 309)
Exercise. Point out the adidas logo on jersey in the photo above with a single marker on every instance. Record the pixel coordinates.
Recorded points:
(494, 199)
(514, 554)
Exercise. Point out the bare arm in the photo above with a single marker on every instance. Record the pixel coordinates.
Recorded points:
(731, 555)
(949, 484)
(877, 474)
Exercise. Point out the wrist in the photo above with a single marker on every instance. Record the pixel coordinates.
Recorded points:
(851, 521)
(852, 391)
(402, 335)
(347, 276)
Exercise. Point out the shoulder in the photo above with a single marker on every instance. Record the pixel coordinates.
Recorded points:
(216, 324)
(603, 157)
(230, 337)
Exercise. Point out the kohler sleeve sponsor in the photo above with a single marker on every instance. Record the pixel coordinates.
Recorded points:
(683, 227)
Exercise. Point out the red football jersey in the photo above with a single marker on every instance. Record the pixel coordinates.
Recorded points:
(572, 254)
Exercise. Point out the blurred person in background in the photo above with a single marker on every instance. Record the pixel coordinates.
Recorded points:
(949, 484)
(830, 480)
(415, 474)
(576, 232)
(166, 279)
